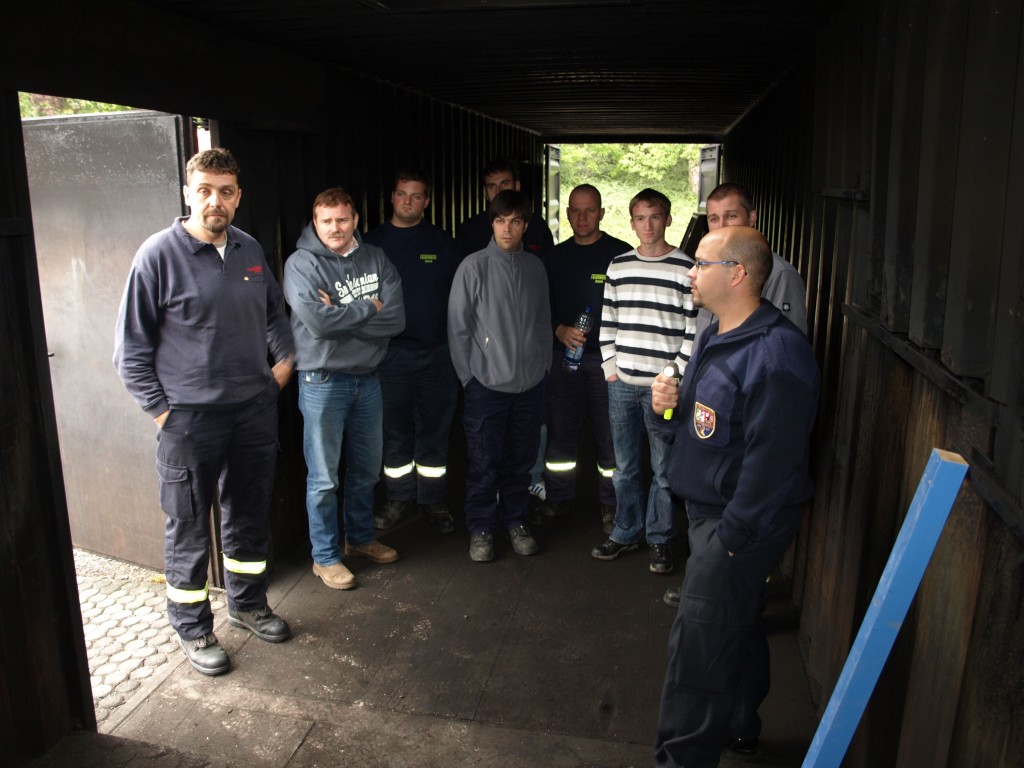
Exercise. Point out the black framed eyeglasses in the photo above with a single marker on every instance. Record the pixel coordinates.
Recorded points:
(700, 264)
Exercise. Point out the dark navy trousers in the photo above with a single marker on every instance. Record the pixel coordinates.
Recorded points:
(420, 391)
(233, 453)
(718, 671)
(502, 439)
(569, 395)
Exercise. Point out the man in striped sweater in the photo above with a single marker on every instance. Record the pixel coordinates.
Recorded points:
(648, 322)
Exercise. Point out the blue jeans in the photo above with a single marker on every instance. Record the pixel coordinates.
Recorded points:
(337, 406)
(632, 422)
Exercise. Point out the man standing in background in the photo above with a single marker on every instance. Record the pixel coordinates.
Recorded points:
(346, 301)
(499, 325)
(576, 276)
(416, 377)
(475, 232)
(648, 323)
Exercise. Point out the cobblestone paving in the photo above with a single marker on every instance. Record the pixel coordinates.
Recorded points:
(127, 636)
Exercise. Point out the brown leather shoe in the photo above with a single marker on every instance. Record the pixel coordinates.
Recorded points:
(335, 576)
(372, 550)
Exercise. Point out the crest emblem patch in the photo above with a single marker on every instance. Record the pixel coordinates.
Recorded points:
(703, 421)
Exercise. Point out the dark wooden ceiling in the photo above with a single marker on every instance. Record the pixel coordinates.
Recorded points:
(569, 70)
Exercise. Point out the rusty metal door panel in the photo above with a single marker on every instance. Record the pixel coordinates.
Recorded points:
(100, 185)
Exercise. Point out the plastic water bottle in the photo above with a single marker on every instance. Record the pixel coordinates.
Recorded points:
(571, 357)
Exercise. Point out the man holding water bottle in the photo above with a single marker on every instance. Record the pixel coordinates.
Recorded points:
(576, 274)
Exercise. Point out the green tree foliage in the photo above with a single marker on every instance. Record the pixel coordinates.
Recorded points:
(622, 170)
(40, 105)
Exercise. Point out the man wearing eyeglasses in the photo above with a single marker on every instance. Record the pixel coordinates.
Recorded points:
(740, 434)
(648, 323)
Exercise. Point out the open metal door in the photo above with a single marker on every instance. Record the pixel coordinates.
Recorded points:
(100, 185)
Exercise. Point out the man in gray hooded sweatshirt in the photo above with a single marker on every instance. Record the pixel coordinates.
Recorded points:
(499, 324)
(346, 301)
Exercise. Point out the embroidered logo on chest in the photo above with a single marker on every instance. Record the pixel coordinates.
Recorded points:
(703, 421)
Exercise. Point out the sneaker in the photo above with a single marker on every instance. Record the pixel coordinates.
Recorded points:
(672, 596)
(439, 517)
(612, 549)
(538, 490)
(262, 622)
(372, 550)
(391, 514)
(550, 512)
(205, 654)
(335, 576)
(481, 547)
(522, 540)
(607, 519)
(661, 558)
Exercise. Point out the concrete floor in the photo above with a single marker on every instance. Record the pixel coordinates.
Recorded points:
(553, 660)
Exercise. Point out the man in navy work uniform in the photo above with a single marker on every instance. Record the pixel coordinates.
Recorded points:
(346, 300)
(740, 432)
(499, 323)
(475, 232)
(416, 377)
(200, 316)
(576, 274)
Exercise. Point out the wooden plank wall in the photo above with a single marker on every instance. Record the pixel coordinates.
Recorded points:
(898, 153)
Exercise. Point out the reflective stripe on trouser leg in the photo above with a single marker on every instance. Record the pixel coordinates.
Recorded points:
(251, 568)
(188, 595)
(431, 483)
(605, 472)
(560, 466)
(394, 473)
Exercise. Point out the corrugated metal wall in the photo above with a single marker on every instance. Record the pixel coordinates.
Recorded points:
(891, 172)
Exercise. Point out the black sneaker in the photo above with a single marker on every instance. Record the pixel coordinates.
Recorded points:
(612, 549)
(607, 519)
(661, 558)
(672, 596)
(481, 547)
(262, 622)
(205, 654)
(522, 540)
(391, 514)
(550, 512)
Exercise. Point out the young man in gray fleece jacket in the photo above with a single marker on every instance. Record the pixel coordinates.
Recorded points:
(499, 323)
(346, 300)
